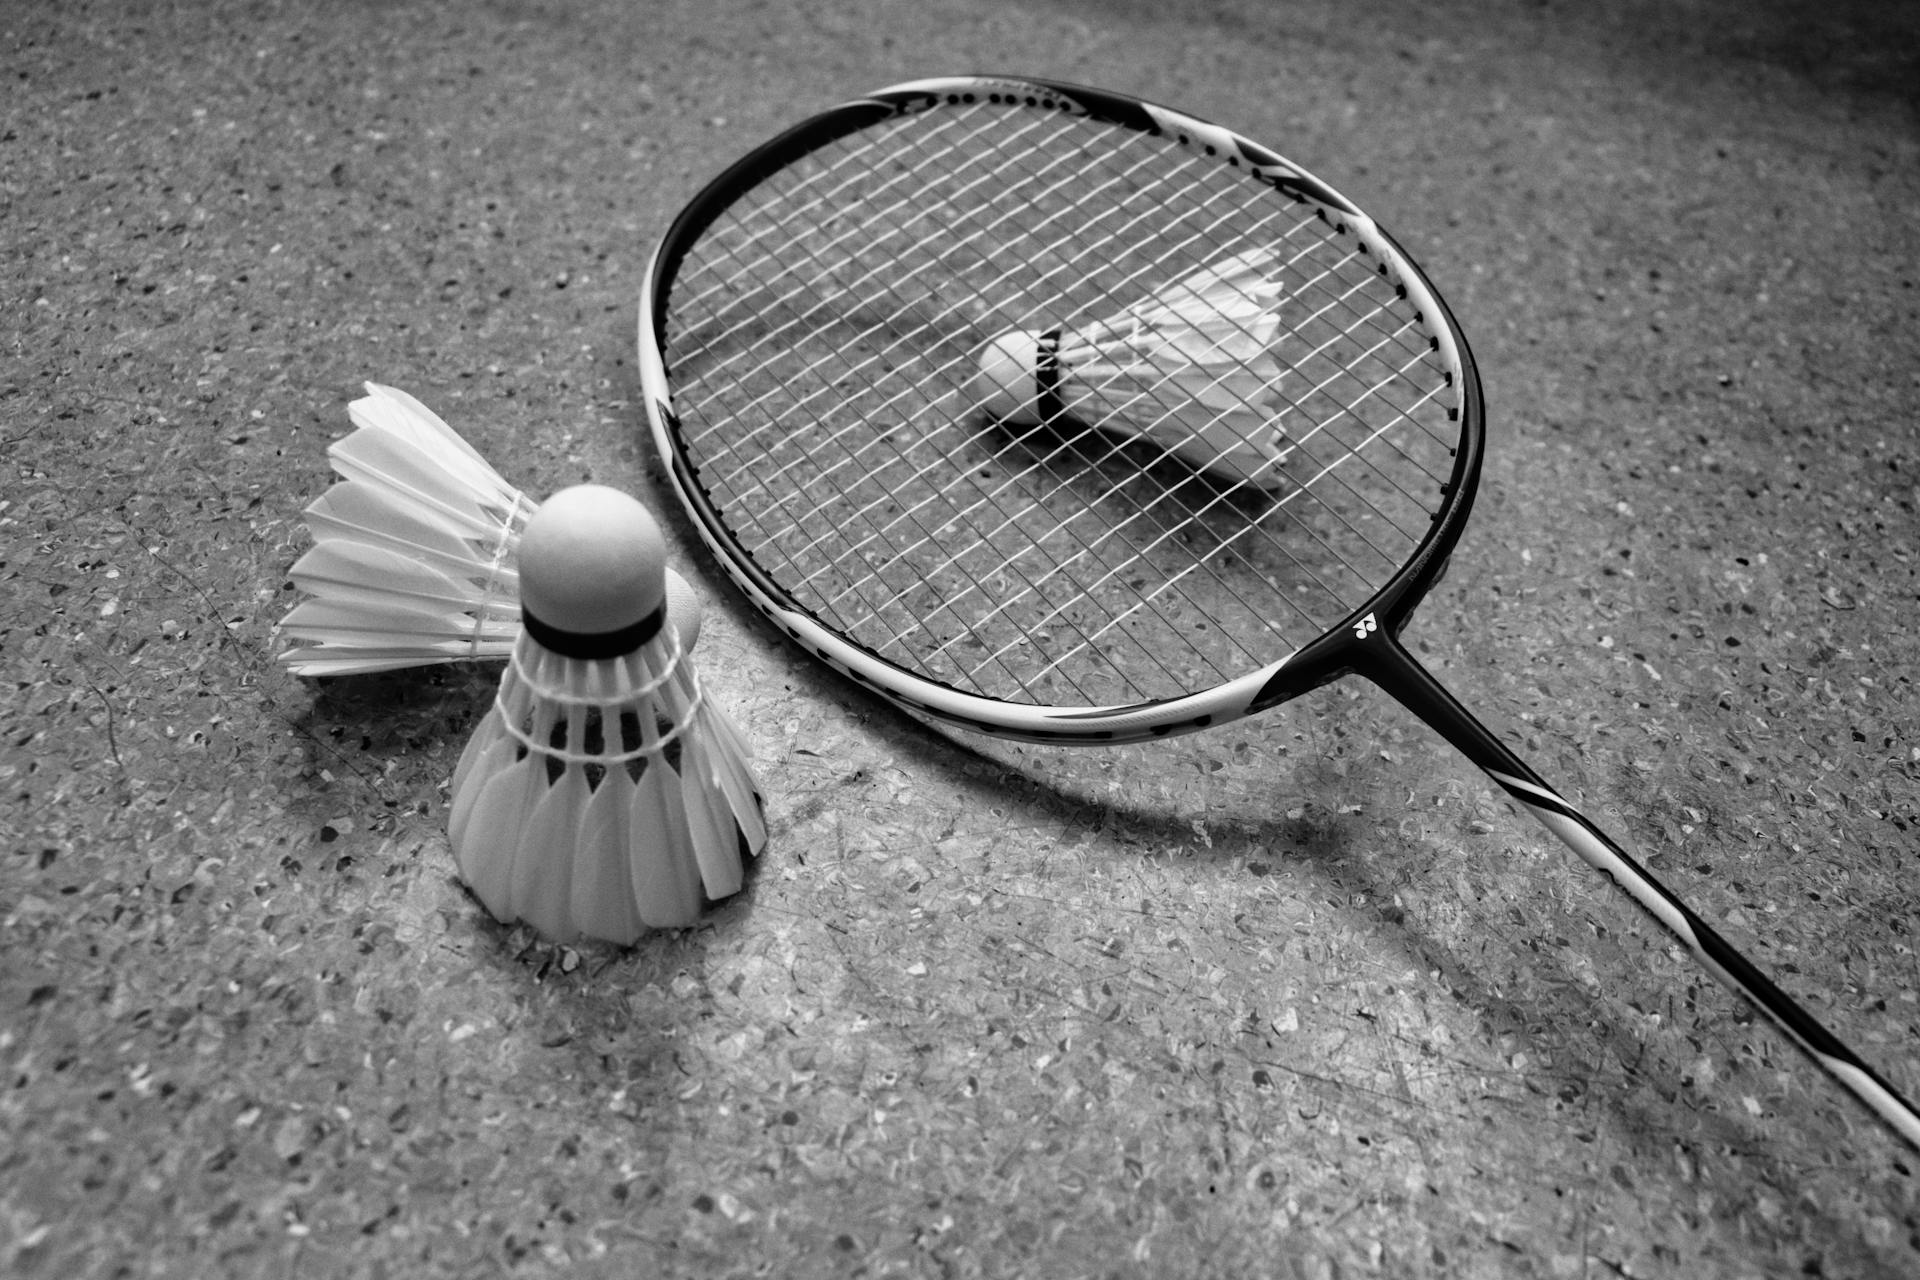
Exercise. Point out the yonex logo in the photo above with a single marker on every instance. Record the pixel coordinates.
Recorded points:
(1365, 627)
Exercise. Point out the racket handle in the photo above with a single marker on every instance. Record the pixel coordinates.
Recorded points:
(1392, 668)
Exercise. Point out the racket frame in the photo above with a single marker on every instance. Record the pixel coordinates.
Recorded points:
(1287, 675)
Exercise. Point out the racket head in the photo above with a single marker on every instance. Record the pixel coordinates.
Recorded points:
(809, 331)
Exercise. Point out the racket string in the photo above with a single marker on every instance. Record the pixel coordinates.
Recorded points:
(822, 345)
(855, 460)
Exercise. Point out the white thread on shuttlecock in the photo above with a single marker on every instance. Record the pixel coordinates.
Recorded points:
(604, 793)
(1189, 369)
(514, 719)
(415, 551)
(497, 565)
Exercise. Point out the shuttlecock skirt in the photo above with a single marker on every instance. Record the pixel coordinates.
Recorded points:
(600, 798)
(412, 560)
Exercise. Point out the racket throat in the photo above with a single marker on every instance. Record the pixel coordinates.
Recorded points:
(1382, 659)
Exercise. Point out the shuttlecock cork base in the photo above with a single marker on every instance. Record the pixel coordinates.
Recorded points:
(1009, 384)
(1188, 370)
(604, 794)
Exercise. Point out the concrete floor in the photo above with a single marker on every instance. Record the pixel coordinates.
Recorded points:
(1299, 998)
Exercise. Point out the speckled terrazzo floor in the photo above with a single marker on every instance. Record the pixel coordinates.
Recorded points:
(1300, 998)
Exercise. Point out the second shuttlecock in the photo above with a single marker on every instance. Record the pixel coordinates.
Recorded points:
(413, 555)
(605, 793)
(416, 551)
(1189, 369)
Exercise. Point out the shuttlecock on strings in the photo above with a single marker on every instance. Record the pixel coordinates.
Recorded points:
(604, 793)
(415, 556)
(1189, 369)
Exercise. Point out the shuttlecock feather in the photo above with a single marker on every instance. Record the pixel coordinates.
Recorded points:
(415, 556)
(604, 793)
(1189, 369)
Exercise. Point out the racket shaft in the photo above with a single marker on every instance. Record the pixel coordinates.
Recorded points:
(1398, 674)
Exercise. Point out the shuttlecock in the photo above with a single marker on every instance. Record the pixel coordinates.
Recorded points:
(415, 556)
(604, 793)
(1188, 369)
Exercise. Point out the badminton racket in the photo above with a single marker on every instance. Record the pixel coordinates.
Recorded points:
(819, 334)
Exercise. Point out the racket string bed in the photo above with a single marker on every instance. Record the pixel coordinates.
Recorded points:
(898, 527)
(927, 536)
